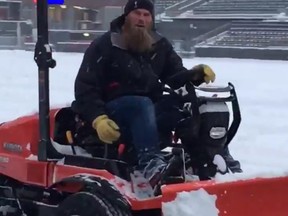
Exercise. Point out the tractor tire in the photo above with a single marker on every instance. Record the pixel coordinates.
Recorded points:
(88, 204)
(98, 197)
(6, 209)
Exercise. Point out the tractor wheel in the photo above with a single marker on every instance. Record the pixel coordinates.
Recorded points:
(89, 204)
(7, 209)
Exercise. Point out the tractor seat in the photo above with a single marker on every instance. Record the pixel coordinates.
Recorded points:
(72, 135)
(71, 129)
(76, 144)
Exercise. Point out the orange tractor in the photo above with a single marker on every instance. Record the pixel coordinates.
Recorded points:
(47, 170)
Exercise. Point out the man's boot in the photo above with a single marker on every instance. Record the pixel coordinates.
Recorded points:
(233, 165)
(158, 170)
(154, 169)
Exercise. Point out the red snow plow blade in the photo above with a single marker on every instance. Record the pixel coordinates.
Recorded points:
(261, 196)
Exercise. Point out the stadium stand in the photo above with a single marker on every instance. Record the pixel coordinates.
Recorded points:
(254, 38)
(92, 4)
(263, 39)
(263, 34)
(241, 7)
(73, 40)
(182, 7)
(161, 5)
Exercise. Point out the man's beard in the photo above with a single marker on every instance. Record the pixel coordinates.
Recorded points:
(137, 39)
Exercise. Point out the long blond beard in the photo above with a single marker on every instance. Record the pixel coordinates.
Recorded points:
(137, 39)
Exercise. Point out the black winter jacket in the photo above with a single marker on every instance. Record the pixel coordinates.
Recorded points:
(109, 70)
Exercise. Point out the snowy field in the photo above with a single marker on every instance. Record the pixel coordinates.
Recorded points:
(261, 143)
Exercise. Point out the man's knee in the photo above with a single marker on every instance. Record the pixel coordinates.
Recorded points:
(140, 104)
(142, 101)
(143, 106)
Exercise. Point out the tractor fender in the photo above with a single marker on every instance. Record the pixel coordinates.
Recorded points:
(93, 184)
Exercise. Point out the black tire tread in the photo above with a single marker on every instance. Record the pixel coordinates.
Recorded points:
(94, 199)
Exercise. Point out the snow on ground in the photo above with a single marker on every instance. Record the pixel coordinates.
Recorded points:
(196, 201)
(261, 144)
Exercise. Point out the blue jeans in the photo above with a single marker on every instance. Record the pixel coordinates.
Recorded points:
(135, 116)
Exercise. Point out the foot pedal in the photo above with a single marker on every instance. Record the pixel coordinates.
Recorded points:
(174, 172)
(235, 167)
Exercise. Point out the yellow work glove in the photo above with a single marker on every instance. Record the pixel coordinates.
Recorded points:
(202, 73)
(107, 129)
